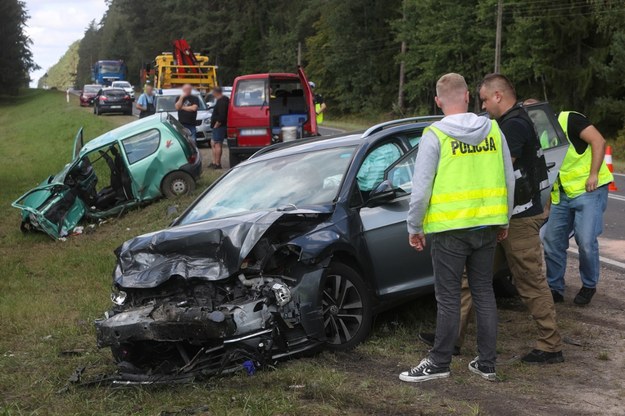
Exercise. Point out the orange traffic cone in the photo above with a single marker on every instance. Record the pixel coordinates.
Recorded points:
(608, 161)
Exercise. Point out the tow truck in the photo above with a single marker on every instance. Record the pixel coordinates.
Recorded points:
(182, 66)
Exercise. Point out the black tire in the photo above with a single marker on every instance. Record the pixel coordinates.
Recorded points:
(177, 183)
(347, 307)
(233, 158)
(504, 285)
(128, 113)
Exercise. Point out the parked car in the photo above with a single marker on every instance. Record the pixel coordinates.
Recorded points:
(89, 92)
(125, 85)
(112, 100)
(131, 165)
(166, 103)
(296, 248)
(262, 105)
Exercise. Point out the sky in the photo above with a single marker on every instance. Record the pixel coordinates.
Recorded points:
(56, 24)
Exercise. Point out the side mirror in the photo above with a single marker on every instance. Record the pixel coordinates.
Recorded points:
(382, 194)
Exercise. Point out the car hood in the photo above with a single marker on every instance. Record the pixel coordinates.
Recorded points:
(209, 250)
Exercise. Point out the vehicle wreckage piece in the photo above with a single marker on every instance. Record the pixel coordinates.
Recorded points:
(193, 302)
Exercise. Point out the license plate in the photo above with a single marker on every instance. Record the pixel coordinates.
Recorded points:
(116, 106)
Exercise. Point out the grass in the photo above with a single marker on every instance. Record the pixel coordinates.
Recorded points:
(51, 292)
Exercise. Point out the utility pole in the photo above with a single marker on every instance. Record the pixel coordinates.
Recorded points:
(299, 53)
(498, 36)
(402, 67)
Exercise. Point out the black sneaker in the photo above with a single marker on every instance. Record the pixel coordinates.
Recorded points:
(557, 297)
(584, 296)
(426, 370)
(487, 373)
(543, 357)
(428, 339)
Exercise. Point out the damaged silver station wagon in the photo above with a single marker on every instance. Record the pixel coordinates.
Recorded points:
(288, 252)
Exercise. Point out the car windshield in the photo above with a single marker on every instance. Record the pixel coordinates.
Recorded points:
(299, 180)
(92, 89)
(110, 67)
(121, 84)
(167, 103)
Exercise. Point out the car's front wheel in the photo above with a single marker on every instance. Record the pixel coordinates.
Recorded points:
(177, 183)
(347, 307)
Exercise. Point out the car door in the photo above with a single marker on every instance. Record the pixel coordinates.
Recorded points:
(398, 268)
(552, 139)
(147, 165)
(310, 102)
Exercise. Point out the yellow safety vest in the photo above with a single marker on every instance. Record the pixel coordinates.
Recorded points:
(319, 115)
(576, 168)
(470, 185)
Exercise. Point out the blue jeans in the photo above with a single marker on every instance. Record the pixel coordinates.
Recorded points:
(584, 215)
(451, 252)
(193, 130)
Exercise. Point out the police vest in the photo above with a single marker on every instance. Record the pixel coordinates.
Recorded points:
(319, 115)
(576, 168)
(470, 185)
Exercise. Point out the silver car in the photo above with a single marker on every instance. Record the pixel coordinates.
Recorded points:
(166, 103)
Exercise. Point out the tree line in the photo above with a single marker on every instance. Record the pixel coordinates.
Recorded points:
(570, 52)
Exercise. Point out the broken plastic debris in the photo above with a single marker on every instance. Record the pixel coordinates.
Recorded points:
(47, 337)
(249, 367)
(78, 230)
(172, 210)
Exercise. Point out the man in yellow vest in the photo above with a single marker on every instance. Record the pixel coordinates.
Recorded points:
(578, 201)
(320, 104)
(462, 197)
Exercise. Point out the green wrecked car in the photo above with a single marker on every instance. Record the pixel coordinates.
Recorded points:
(131, 165)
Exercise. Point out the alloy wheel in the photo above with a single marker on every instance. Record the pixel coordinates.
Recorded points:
(179, 186)
(342, 309)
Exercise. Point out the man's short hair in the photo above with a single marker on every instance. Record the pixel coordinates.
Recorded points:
(451, 85)
(217, 90)
(498, 82)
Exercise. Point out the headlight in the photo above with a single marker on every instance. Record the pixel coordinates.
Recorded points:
(119, 298)
(207, 121)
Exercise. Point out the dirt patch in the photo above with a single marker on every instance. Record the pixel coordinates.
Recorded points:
(588, 383)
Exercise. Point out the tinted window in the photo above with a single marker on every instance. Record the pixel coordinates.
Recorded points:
(114, 93)
(371, 172)
(167, 103)
(400, 175)
(544, 128)
(92, 89)
(250, 92)
(142, 145)
(299, 180)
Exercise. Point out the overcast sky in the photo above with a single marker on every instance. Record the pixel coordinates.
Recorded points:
(56, 24)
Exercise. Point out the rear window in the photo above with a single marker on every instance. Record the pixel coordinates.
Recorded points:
(251, 92)
(115, 93)
(142, 145)
(167, 103)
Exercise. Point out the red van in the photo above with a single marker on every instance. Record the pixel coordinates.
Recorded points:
(262, 106)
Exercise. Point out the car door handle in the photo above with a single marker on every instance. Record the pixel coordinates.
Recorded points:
(551, 165)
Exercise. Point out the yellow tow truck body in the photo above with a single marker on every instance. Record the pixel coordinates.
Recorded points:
(167, 74)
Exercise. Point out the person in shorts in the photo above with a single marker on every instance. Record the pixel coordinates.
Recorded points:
(219, 122)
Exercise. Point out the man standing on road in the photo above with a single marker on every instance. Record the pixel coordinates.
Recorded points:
(145, 103)
(578, 201)
(320, 104)
(523, 247)
(462, 195)
(187, 105)
(219, 121)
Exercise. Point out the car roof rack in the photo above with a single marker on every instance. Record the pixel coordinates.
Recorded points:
(387, 124)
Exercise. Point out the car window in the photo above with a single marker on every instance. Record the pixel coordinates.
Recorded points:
(167, 103)
(142, 145)
(115, 93)
(414, 140)
(400, 174)
(250, 92)
(295, 180)
(546, 131)
(371, 172)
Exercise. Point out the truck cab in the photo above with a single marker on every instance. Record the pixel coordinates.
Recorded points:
(264, 107)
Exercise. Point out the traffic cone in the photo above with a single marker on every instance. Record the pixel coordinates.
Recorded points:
(608, 161)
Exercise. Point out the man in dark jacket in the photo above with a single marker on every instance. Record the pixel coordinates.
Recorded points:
(219, 121)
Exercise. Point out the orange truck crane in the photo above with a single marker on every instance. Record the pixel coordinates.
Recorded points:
(183, 66)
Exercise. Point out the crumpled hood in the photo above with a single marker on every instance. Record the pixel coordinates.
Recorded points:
(468, 128)
(209, 250)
